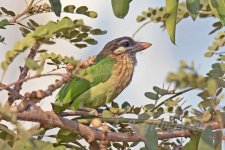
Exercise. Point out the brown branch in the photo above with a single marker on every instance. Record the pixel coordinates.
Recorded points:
(29, 78)
(78, 113)
(51, 120)
(94, 145)
(36, 96)
(23, 71)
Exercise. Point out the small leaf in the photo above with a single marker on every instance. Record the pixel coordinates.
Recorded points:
(193, 7)
(91, 41)
(144, 116)
(206, 116)
(81, 9)
(160, 91)
(34, 23)
(4, 23)
(8, 12)
(206, 139)
(91, 14)
(120, 7)
(212, 87)
(66, 136)
(82, 35)
(147, 133)
(125, 105)
(171, 9)
(56, 7)
(81, 45)
(98, 32)
(30, 63)
(69, 8)
(151, 95)
(107, 114)
(219, 91)
(209, 54)
(217, 7)
(148, 107)
(140, 18)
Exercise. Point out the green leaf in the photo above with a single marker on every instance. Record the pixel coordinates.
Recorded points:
(212, 86)
(218, 9)
(81, 9)
(30, 63)
(218, 140)
(206, 116)
(120, 7)
(144, 115)
(4, 23)
(69, 8)
(147, 133)
(193, 7)
(65, 136)
(206, 140)
(82, 35)
(125, 105)
(56, 7)
(160, 91)
(171, 9)
(34, 23)
(209, 54)
(8, 12)
(98, 32)
(193, 143)
(151, 95)
(91, 41)
(91, 14)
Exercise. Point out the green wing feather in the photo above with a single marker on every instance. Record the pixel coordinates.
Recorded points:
(86, 80)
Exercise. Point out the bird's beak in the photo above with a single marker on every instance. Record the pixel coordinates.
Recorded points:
(140, 46)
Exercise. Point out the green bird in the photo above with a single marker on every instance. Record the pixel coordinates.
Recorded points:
(103, 81)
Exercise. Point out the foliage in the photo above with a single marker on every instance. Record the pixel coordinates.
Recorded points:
(147, 121)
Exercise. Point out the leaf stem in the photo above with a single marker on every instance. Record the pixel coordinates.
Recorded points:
(140, 28)
(175, 95)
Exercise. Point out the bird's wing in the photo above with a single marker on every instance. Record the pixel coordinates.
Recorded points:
(86, 79)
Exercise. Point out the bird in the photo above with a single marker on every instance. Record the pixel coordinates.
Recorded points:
(100, 83)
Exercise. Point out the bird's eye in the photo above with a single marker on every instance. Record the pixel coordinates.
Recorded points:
(126, 44)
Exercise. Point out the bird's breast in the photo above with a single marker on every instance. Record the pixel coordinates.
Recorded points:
(121, 75)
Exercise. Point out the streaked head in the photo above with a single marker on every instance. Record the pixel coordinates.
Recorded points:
(123, 45)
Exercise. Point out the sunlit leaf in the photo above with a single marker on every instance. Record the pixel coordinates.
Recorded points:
(69, 8)
(120, 7)
(171, 9)
(81, 9)
(30, 63)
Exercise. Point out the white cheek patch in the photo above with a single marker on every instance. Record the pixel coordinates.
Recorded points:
(120, 50)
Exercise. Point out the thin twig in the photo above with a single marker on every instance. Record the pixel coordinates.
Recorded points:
(29, 78)
(175, 95)
(140, 28)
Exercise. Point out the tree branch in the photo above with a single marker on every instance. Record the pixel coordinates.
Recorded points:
(50, 120)
(23, 73)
